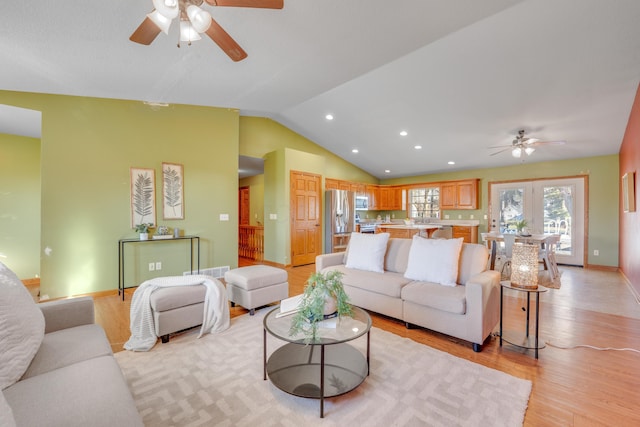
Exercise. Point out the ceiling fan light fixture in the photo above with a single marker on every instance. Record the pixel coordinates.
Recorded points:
(167, 8)
(160, 20)
(200, 19)
(516, 152)
(529, 150)
(188, 33)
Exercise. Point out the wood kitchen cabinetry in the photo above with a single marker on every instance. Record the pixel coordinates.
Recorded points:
(338, 184)
(459, 194)
(468, 232)
(373, 193)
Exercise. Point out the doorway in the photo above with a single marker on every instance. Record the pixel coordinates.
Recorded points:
(550, 206)
(306, 219)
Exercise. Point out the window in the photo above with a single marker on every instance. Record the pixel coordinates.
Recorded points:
(424, 202)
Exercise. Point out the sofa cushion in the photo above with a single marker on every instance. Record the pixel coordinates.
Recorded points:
(434, 260)
(397, 255)
(388, 283)
(473, 260)
(6, 414)
(68, 346)
(445, 298)
(21, 327)
(366, 251)
(89, 393)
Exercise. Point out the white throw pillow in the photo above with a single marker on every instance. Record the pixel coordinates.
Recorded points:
(21, 328)
(434, 260)
(366, 251)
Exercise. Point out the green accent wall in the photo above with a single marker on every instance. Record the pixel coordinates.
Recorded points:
(603, 181)
(88, 147)
(20, 205)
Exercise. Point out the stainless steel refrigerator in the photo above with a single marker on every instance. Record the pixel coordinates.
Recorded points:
(339, 219)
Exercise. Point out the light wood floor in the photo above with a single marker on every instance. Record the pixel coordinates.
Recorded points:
(571, 387)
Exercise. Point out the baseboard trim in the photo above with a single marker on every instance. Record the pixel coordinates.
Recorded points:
(602, 267)
(633, 290)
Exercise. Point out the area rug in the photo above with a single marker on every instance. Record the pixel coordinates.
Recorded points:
(217, 380)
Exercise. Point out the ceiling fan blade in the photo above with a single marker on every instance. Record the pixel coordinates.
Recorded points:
(539, 143)
(226, 43)
(264, 4)
(145, 33)
(501, 151)
(501, 146)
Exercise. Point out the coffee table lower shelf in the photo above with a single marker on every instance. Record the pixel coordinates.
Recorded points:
(297, 369)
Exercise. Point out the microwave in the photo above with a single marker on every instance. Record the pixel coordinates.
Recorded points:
(362, 203)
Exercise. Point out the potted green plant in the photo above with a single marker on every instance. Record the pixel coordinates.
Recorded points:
(323, 297)
(143, 230)
(521, 226)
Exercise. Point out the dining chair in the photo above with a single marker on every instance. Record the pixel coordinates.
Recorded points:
(547, 256)
(509, 240)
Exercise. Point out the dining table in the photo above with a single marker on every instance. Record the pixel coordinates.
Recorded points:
(494, 239)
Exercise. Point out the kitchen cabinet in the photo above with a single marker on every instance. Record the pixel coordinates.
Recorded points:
(459, 194)
(390, 198)
(373, 193)
(331, 184)
(468, 232)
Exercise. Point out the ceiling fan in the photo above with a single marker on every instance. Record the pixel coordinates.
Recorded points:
(194, 21)
(523, 145)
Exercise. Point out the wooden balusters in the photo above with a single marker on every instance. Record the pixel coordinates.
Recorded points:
(251, 242)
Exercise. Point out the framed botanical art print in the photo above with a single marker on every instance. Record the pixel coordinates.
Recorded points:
(172, 191)
(628, 192)
(143, 197)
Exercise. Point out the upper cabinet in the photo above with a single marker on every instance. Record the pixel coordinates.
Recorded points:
(459, 194)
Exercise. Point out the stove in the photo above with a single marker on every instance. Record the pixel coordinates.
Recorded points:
(367, 228)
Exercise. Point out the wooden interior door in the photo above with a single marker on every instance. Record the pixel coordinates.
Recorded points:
(306, 217)
(243, 205)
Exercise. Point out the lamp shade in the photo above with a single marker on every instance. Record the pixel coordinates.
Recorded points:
(524, 266)
(187, 32)
(200, 19)
(160, 20)
(516, 152)
(167, 8)
(529, 150)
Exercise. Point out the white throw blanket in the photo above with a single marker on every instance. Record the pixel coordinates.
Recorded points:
(216, 309)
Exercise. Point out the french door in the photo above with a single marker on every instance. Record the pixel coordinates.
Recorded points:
(553, 206)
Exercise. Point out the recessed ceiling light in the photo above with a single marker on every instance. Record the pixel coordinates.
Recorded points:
(387, 171)
(451, 163)
(329, 117)
(403, 133)
(355, 150)
(418, 147)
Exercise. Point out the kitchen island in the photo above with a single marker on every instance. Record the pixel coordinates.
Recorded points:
(407, 231)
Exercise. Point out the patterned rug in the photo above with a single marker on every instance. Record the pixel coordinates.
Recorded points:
(218, 381)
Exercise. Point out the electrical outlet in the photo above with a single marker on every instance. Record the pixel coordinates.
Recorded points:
(471, 216)
(446, 217)
(459, 216)
(158, 265)
(273, 216)
(486, 217)
(596, 252)
(152, 266)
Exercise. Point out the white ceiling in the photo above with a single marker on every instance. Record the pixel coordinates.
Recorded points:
(457, 75)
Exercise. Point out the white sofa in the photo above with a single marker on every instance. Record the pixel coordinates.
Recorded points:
(469, 310)
(56, 364)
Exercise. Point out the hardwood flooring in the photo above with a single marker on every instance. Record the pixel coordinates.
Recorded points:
(571, 387)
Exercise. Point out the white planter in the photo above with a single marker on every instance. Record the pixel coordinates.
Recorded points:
(144, 236)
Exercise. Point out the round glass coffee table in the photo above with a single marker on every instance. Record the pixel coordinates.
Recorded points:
(326, 367)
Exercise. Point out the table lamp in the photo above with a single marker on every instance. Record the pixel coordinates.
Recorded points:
(524, 266)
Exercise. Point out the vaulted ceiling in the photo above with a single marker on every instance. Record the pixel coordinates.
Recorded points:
(458, 76)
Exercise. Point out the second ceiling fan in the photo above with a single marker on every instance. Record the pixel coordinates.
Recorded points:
(195, 21)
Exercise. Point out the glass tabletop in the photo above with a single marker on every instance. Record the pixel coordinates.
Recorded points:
(330, 331)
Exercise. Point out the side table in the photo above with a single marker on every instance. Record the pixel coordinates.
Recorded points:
(515, 338)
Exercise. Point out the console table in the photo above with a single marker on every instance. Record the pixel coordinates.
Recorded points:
(121, 258)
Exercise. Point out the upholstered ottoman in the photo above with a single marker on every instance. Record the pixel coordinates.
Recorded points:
(177, 308)
(256, 285)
